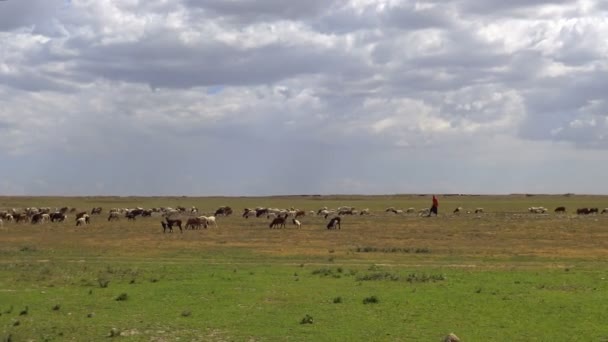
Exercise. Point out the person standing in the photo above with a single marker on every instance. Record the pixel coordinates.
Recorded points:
(435, 207)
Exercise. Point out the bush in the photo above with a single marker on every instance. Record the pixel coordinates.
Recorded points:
(371, 300)
(122, 297)
(306, 320)
(337, 300)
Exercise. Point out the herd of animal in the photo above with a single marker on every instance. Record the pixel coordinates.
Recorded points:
(189, 218)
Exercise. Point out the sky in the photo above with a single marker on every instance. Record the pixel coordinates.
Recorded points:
(270, 97)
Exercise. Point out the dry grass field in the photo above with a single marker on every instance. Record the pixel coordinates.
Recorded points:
(505, 241)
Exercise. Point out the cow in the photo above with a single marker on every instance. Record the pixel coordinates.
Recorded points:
(223, 211)
(174, 222)
(334, 223)
(114, 216)
(279, 221)
(560, 210)
(195, 223)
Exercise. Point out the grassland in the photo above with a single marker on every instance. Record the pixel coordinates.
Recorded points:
(505, 275)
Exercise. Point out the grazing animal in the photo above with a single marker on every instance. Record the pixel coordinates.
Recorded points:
(114, 216)
(165, 227)
(478, 210)
(537, 210)
(334, 223)
(58, 217)
(1, 223)
(211, 221)
(195, 223)
(410, 210)
(37, 218)
(80, 214)
(605, 210)
(458, 210)
(249, 213)
(582, 211)
(560, 210)
(96, 211)
(279, 221)
(131, 216)
(297, 223)
(81, 221)
(594, 211)
(174, 222)
(300, 213)
(364, 212)
(223, 211)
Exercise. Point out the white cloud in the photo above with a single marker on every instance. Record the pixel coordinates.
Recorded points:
(319, 96)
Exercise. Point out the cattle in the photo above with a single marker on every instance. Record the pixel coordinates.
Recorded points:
(36, 218)
(21, 217)
(58, 217)
(195, 223)
(279, 221)
(174, 222)
(587, 211)
(334, 223)
(211, 220)
(560, 210)
(82, 221)
(114, 216)
(249, 213)
(223, 211)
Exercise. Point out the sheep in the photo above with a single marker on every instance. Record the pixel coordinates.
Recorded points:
(410, 210)
(458, 210)
(364, 212)
(423, 212)
(80, 221)
(297, 223)
(300, 213)
(605, 210)
(1, 223)
(478, 210)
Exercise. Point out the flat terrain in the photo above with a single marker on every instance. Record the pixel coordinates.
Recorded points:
(504, 275)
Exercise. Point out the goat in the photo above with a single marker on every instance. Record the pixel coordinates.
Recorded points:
(297, 223)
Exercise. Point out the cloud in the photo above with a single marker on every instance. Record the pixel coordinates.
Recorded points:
(250, 97)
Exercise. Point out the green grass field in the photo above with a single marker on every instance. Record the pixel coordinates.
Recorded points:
(505, 275)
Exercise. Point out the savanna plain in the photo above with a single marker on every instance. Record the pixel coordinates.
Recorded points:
(502, 275)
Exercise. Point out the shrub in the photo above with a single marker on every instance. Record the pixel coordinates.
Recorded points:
(371, 300)
(306, 320)
(338, 300)
(122, 297)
